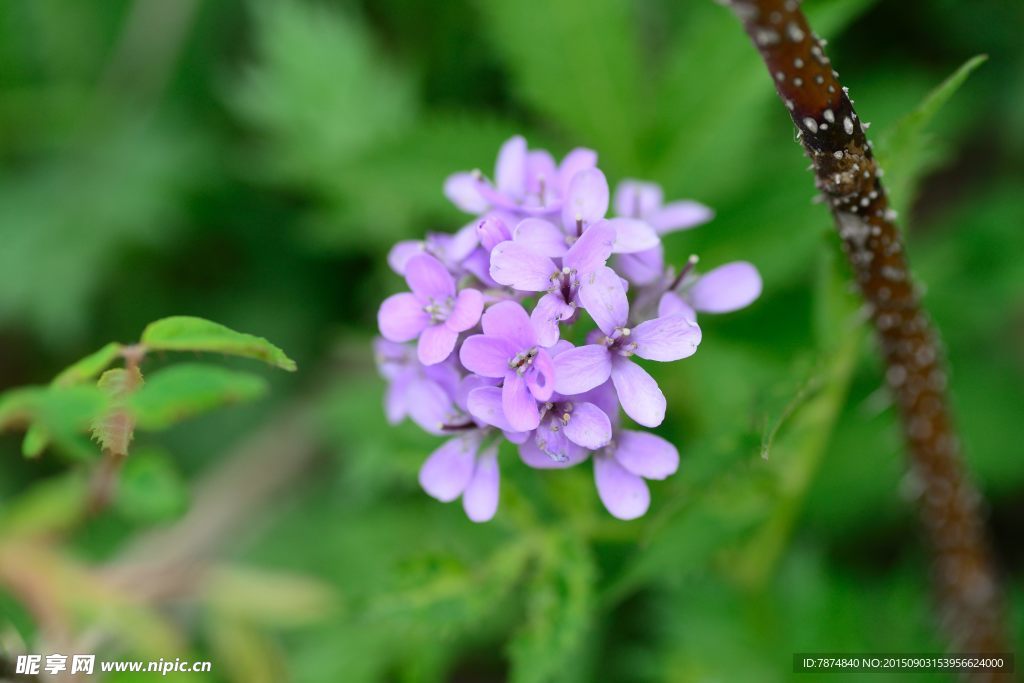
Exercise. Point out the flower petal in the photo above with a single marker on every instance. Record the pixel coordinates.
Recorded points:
(518, 404)
(447, 471)
(492, 231)
(680, 215)
(509, 321)
(592, 249)
(604, 398)
(456, 247)
(604, 298)
(541, 177)
(633, 235)
(540, 378)
(428, 278)
(588, 426)
(646, 455)
(638, 393)
(429, 405)
(532, 455)
(623, 493)
(510, 170)
(396, 405)
(726, 288)
(643, 267)
(666, 339)
(541, 236)
(400, 254)
(637, 199)
(436, 344)
(401, 317)
(463, 190)
(469, 304)
(479, 264)
(484, 404)
(671, 303)
(480, 499)
(549, 311)
(587, 199)
(486, 355)
(520, 267)
(578, 159)
(581, 369)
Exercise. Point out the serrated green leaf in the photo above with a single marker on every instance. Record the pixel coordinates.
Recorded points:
(322, 93)
(578, 64)
(186, 333)
(90, 366)
(150, 488)
(559, 604)
(182, 391)
(903, 150)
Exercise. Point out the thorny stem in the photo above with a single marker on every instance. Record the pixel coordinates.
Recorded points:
(970, 604)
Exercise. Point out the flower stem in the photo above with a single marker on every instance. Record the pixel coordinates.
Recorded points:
(970, 602)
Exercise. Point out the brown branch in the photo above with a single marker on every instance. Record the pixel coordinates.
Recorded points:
(848, 177)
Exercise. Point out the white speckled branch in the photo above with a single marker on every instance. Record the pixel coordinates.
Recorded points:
(848, 177)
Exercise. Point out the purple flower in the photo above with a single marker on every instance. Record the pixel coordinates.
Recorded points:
(542, 232)
(431, 312)
(645, 201)
(450, 249)
(525, 181)
(621, 467)
(521, 268)
(509, 350)
(570, 428)
(666, 338)
(423, 393)
(585, 206)
(460, 468)
(722, 290)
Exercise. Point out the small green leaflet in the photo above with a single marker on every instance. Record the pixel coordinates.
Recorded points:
(185, 333)
(52, 413)
(182, 391)
(89, 367)
(903, 150)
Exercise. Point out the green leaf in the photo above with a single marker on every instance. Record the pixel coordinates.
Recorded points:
(559, 608)
(577, 62)
(90, 366)
(150, 488)
(270, 598)
(35, 442)
(904, 151)
(51, 505)
(60, 414)
(322, 93)
(185, 333)
(18, 405)
(182, 391)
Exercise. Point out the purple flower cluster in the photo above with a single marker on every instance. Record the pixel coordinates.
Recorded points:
(484, 366)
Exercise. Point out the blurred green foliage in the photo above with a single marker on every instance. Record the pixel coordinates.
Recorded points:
(250, 161)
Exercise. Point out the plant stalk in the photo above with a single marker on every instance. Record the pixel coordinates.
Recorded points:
(968, 594)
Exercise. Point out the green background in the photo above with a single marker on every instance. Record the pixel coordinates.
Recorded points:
(252, 162)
